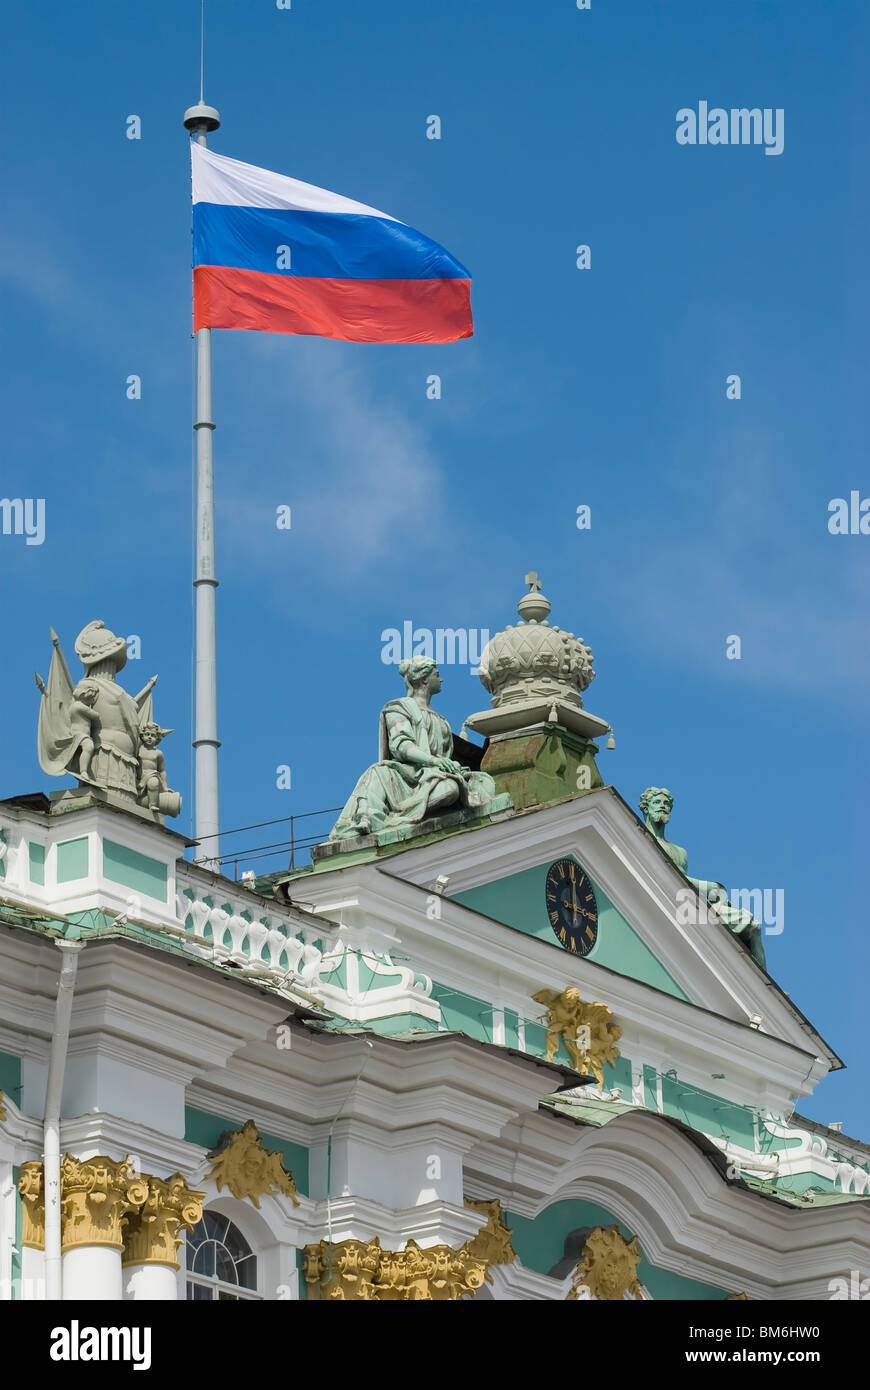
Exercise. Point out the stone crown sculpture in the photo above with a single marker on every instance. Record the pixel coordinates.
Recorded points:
(95, 730)
(535, 660)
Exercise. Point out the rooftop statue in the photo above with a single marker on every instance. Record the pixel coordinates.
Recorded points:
(415, 777)
(97, 731)
(656, 805)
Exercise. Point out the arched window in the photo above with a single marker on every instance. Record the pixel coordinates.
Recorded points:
(572, 1250)
(220, 1262)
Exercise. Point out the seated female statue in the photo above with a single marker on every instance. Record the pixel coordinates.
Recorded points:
(415, 777)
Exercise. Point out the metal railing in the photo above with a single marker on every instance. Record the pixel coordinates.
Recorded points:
(296, 844)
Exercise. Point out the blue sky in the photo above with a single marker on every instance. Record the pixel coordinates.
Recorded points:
(603, 387)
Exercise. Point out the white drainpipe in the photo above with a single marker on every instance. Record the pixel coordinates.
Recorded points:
(51, 1123)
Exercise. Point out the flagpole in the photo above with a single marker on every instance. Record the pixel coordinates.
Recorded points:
(199, 120)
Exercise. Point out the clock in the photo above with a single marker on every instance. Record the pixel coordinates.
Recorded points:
(571, 906)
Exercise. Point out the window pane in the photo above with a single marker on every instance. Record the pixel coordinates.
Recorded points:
(226, 1267)
(203, 1260)
(246, 1272)
(218, 1255)
(215, 1224)
(236, 1243)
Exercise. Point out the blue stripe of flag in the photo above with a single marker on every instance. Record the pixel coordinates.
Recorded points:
(347, 246)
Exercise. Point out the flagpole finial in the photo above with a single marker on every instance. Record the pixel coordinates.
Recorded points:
(200, 117)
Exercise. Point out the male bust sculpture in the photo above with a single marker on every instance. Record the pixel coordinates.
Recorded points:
(656, 805)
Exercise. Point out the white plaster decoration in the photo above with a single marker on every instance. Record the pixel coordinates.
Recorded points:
(687, 1218)
(236, 940)
(360, 1218)
(14, 881)
(199, 913)
(815, 1154)
(409, 994)
(257, 934)
(239, 940)
(94, 890)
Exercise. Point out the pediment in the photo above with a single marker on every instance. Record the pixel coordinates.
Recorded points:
(499, 872)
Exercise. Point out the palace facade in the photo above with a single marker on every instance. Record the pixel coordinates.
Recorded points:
(478, 1048)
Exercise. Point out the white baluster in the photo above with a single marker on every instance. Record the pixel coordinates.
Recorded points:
(257, 934)
(239, 927)
(200, 912)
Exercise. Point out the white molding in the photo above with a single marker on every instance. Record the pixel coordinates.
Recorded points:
(467, 951)
(688, 1219)
(636, 874)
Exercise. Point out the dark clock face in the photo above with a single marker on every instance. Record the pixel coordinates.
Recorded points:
(571, 906)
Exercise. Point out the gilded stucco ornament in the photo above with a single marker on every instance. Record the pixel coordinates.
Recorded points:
(416, 776)
(32, 1192)
(608, 1267)
(96, 1195)
(588, 1030)
(492, 1244)
(358, 1271)
(151, 1234)
(95, 730)
(2, 1107)
(241, 1163)
(656, 805)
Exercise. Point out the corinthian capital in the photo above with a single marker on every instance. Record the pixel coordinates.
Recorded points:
(151, 1234)
(32, 1190)
(96, 1194)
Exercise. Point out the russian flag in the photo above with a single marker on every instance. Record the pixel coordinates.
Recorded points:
(273, 254)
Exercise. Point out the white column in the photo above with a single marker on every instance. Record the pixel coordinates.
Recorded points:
(151, 1239)
(32, 1274)
(151, 1282)
(97, 1196)
(92, 1273)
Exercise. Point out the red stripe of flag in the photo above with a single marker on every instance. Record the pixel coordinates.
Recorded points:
(355, 311)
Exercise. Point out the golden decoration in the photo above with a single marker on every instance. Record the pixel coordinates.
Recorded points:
(151, 1233)
(359, 1271)
(30, 1186)
(241, 1163)
(492, 1244)
(587, 1029)
(607, 1266)
(96, 1195)
(737, 1298)
(2, 1107)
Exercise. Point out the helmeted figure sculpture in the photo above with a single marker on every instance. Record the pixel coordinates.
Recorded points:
(656, 805)
(100, 733)
(415, 777)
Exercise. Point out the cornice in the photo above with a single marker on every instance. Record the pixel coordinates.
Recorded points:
(459, 948)
(530, 837)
